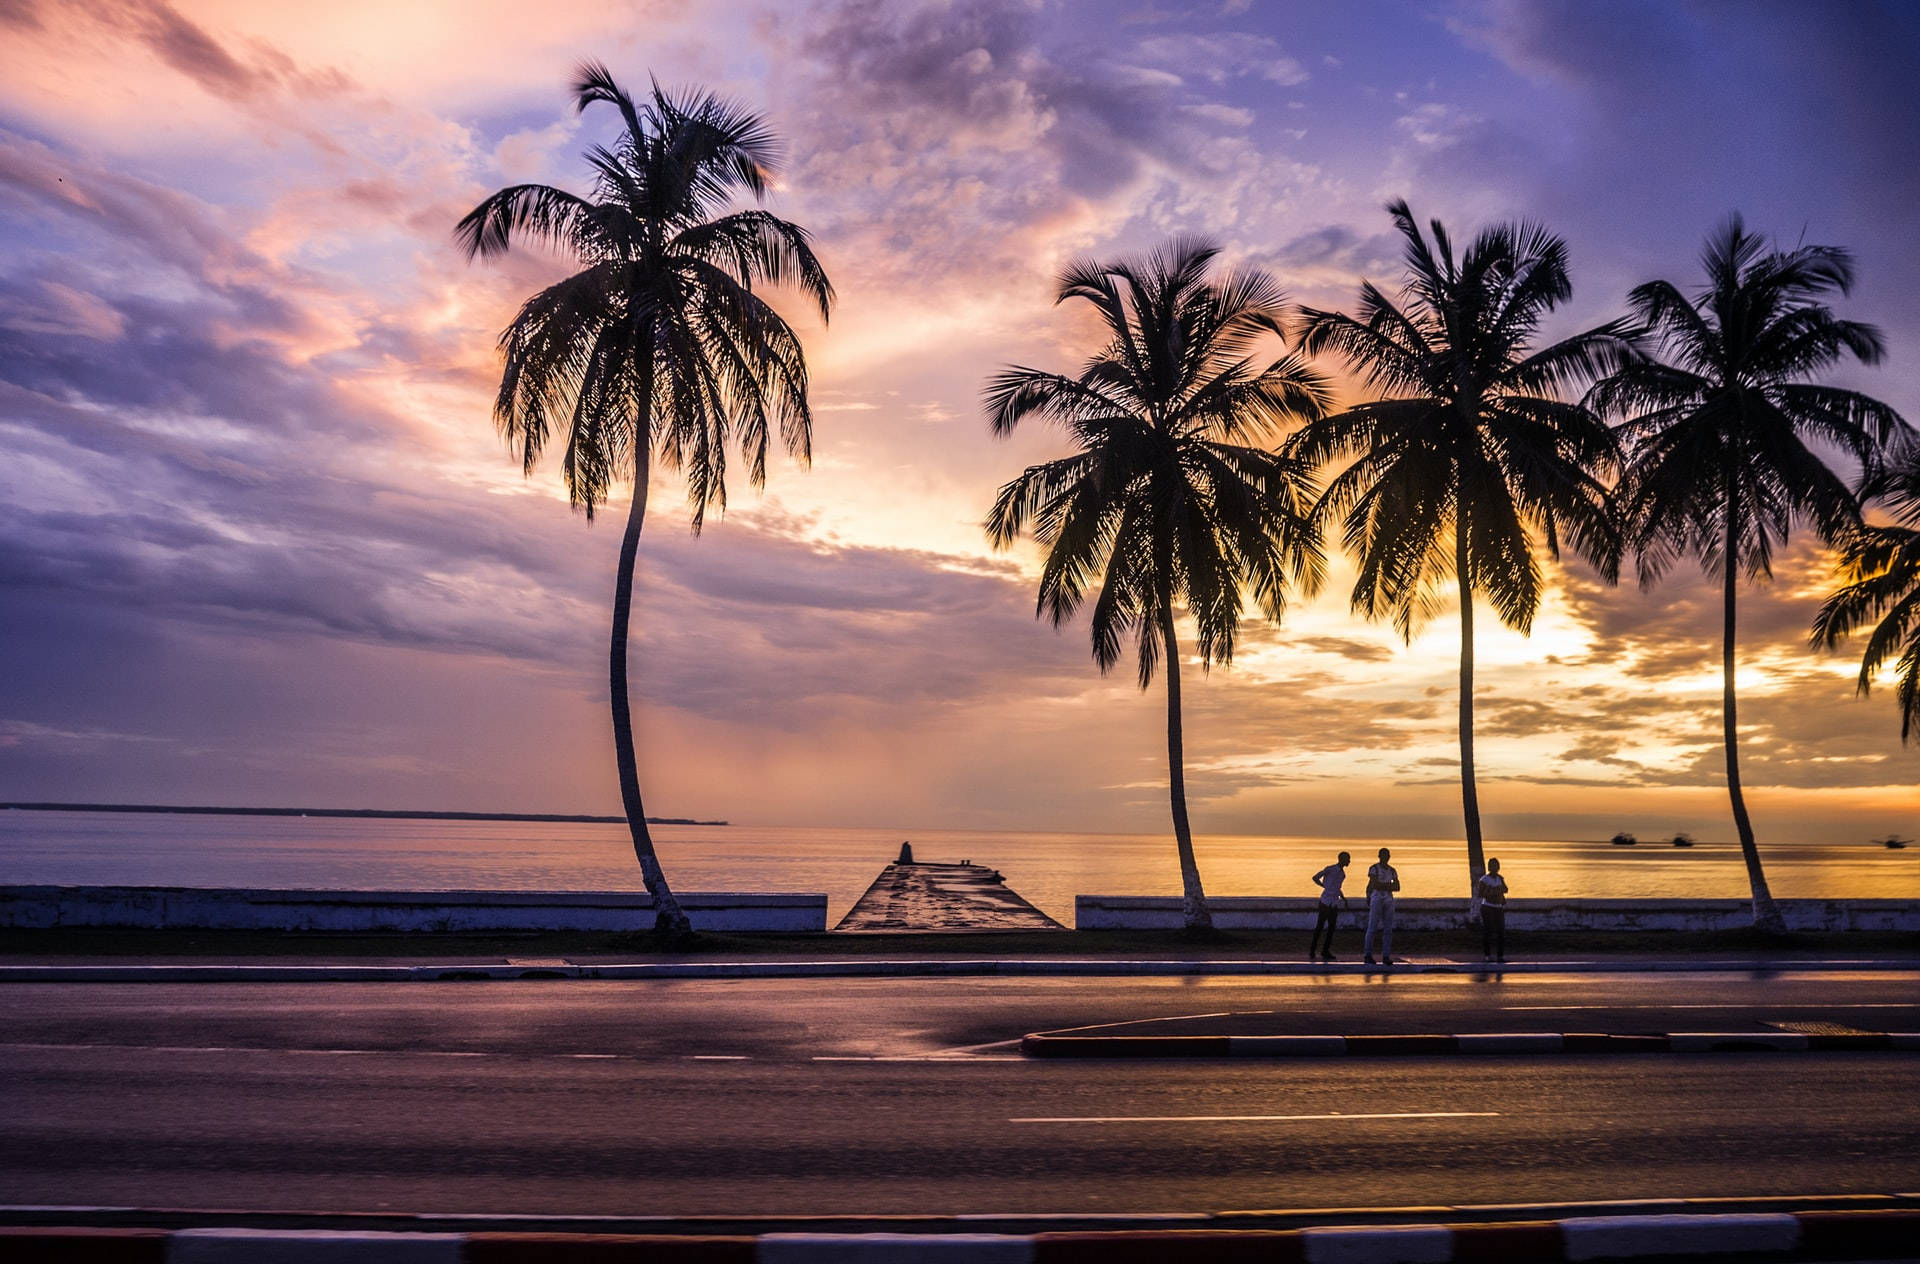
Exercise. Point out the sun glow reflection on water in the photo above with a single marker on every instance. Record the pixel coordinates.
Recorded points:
(81, 848)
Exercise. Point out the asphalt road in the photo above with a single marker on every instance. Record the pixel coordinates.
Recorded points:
(899, 1096)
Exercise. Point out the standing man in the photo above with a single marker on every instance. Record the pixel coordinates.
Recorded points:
(1382, 882)
(1491, 891)
(1329, 881)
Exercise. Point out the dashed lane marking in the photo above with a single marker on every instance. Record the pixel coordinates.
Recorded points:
(1844, 1005)
(1219, 1119)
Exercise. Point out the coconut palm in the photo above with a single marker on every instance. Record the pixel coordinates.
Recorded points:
(1726, 432)
(1469, 457)
(1166, 503)
(1880, 579)
(659, 344)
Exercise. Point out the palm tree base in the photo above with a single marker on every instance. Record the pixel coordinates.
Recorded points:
(674, 927)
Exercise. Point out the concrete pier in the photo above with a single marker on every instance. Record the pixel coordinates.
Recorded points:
(933, 897)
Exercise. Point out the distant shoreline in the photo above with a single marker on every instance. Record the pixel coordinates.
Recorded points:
(353, 813)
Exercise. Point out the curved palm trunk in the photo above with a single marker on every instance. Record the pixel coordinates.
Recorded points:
(1766, 916)
(668, 918)
(1193, 900)
(1469, 791)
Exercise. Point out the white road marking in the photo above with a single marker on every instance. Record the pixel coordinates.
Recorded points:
(311, 1053)
(1212, 1119)
(917, 1057)
(1167, 1018)
(1859, 1005)
(716, 1057)
(992, 1044)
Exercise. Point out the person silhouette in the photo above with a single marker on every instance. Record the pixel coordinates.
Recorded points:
(1491, 894)
(1382, 882)
(1331, 902)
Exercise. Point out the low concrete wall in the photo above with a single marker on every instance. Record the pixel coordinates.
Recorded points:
(222, 908)
(1162, 912)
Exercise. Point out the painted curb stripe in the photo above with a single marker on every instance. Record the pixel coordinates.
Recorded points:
(83, 1246)
(1539, 1242)
(1859, 1040)
(606, 1248)
(1286, 1046)
(1858, 1234)
(1126, 1046)
(1395, 1045)
(894, 1248)
(1510, 1042)
(1605, 1237)
(1831, 1235)
(1204, 1246)
(1733, 1041)
(311, 1246)
(1385, 1244)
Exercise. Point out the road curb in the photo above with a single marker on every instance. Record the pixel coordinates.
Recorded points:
(1047, 1045)
(1813, 1235)
(480, 972)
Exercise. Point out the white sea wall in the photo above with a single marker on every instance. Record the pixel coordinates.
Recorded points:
(233, 908)
(1162, 912)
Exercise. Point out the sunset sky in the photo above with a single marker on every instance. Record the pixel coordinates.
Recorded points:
(259, 543)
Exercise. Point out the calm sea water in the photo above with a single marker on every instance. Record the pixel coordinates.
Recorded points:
(83, 848)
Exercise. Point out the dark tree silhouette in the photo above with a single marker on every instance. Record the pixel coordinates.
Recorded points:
(1470, 456)
(659, 343)
(1880, 579)
(1166, 503)
(1724, 431)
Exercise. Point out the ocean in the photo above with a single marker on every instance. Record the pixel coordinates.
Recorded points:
(105, 848)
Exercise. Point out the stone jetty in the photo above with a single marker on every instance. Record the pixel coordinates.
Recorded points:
(910, 896)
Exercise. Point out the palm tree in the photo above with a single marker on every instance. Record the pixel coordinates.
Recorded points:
(1880, 574)
(1469, 456)
(659, 343)
(1724, 429)
(1166, 503)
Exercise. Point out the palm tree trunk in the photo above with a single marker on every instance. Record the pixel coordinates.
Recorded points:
(1469, 792)
(1193, 901)
(668, 918)
(1766, 915)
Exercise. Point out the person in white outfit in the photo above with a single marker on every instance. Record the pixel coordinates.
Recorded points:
(1382, 882)
(1329, 880)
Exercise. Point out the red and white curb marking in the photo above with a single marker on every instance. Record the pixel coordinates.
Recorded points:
(1807, 1235)
(1043, 1045)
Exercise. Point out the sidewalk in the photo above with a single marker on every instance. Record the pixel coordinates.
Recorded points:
(412, 970)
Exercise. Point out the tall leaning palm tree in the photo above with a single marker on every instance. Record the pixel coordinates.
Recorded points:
(1725, 430)
(1470, 456)
(659, 344)
(1166, 503)
(1880, 580)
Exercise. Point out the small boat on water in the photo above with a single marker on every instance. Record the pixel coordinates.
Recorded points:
(1893, 842)
(1683, 840)
(1623, 839)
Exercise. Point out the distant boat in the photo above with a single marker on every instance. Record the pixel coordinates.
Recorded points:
(1893, 842)
(1623, 839)
(1683, 840)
